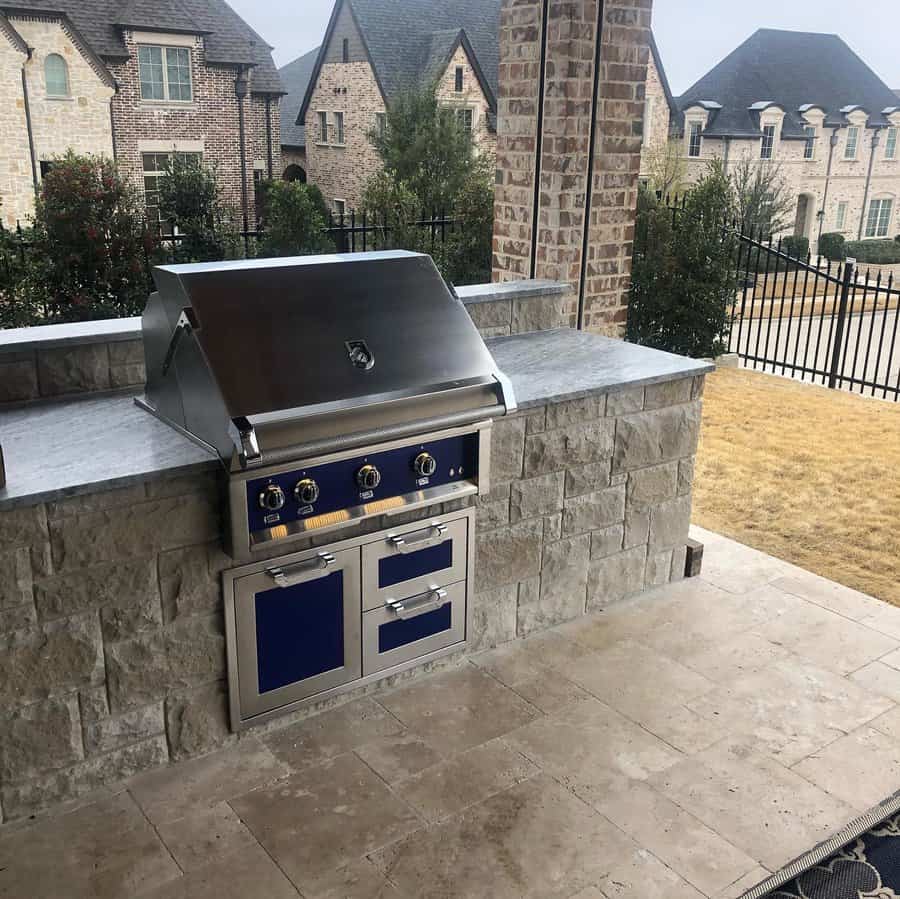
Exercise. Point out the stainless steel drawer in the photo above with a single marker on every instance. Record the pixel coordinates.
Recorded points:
(407, 561)
(404, 629)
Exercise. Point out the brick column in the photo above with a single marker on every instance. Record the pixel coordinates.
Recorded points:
(583, 106)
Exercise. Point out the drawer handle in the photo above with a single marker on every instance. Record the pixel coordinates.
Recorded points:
(431, 601)
(410, 543)
(295, 574)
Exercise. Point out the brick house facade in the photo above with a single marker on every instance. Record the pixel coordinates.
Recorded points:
(659, 108)
(362, 64)
(94, 101)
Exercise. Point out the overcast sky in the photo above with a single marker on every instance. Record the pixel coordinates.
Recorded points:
(693, 35)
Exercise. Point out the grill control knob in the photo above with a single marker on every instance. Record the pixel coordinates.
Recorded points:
(424, 465)
(306, 491)
(272, 498)
(368, 477)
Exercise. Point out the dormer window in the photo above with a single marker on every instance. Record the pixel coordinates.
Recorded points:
(852, 145)
(809, 147)
(695, 139)
(767, 149)
(165, 73)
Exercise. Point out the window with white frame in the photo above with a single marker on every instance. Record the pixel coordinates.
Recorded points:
(767, 148)
(458, 79)
(695, 138)
(338, 127)
(156, 166)
(323, 126)
(340, 207)
(380, 123)
(890, 144)
(56, 76)
(852, 144)
(878, 222)
(841, 219)
(165, 73)
(465, 118)
(809, 148)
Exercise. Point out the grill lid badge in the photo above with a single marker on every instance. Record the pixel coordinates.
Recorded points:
(360, 354)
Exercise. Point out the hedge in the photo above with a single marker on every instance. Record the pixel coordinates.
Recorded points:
(877, 252)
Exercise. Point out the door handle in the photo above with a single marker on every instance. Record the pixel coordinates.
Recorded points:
(431, 601)
(296, 574)
(410, 543)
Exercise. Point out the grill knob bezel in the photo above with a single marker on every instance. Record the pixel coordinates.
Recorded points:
(308, 486)
(272, 498)
(424, 465)
(368, 477)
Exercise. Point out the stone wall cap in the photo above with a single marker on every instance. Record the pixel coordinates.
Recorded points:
(41, 337)
(511, 290)
(560, 365)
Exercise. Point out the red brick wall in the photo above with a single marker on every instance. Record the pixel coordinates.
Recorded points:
(569, 104)
(212, 117)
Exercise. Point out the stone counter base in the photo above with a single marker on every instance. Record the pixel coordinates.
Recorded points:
(112, 648)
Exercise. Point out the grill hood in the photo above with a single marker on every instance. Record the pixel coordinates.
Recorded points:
(266, 360)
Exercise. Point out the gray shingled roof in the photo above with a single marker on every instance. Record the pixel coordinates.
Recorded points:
(790, 68)
(295, 78)
(229, 39)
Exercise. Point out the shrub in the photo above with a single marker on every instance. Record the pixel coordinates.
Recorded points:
(683, 280)
(16, 311)
(295, 220)
(796, 247)
(833, 246)
(877, 252)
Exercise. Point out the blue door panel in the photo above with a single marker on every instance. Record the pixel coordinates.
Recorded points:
(406, 566)
(398, 633)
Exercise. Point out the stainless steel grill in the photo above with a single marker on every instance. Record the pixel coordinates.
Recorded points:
(333, 389)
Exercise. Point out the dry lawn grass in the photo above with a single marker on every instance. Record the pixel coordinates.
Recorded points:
(806, 474)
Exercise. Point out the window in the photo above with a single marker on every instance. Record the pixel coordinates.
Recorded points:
(810, 146)
(465, 119)
(695, 138)
(879, 221)
(338, 127)
(156, 165)
(852, 142)
(380, 123)
(767, 148)
(458, 83)
(841, 216)
(323, 127)
(340, 207)
(890, 144)
(165, 73)
(56, 76)
(345, 50)
(46, 165)
(648, 119)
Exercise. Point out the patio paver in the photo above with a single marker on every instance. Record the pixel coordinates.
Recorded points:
(682, 744)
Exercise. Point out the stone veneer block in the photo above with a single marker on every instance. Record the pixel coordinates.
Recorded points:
(669, 523)
(494, 616)
(74, 369)
(18, 380)
(39, 736)
(496, 314)
(669, 393)
(563, 582)
(574, 445)
(616, 577)
(538, 496)
(507, 447)
(649, 486)
(648, 438)
(537, 314)
(508, 555)
(197, 719)
(15, 577)
(594, 510)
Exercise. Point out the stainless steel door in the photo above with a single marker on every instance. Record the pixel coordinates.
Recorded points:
(409, 560)
(297, 629)
(404, 629)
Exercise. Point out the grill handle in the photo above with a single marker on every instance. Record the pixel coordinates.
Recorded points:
(431, 601)
(296, 574)
(410, 543)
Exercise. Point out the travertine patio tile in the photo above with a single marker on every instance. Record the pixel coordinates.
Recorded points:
(332, 733)
(830, 595)
(738, 568)
(743, 884)
(686, 845)
(768, 811)
(550, 691)
(197, 838)
(397, 757)
(102, 851)
(641, 874)
(321, 818)
(738, 656)
(790, 709)
(826, 638)
(200, 784)
(592, 749)
(892, 659)
(458, 709)
(533, 657)
(885, 619)
(360, 879)
(862, 768)
(467, 778)
(246, 872)
(879, 679)
(888, 723)
(533, 841)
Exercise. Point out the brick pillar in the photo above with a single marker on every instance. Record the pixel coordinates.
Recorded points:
(578, 226)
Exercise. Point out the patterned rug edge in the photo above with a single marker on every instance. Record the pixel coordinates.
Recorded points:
(855, 829)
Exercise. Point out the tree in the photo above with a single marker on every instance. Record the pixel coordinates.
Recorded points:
(89, 243)
(189, 200)
(765, 204)
(667, 168)
(295, 218)
(683, 276)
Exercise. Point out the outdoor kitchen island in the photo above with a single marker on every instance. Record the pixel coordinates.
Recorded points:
(112, 646)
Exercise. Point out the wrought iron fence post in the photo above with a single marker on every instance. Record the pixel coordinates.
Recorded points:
(849, 275)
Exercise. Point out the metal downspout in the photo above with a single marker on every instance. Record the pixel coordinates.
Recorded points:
(31, 150)
(832, 141)
(876, 140)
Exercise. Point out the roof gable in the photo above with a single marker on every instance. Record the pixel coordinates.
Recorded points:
(791, 69)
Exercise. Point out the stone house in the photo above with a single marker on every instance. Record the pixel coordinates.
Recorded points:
(372, 50)
(138, 82)
(809, 105)
(659, 108)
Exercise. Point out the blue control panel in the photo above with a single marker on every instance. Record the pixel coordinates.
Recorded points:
(338, 484)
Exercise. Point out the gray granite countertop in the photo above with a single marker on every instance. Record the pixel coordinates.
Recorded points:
(80, 446)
